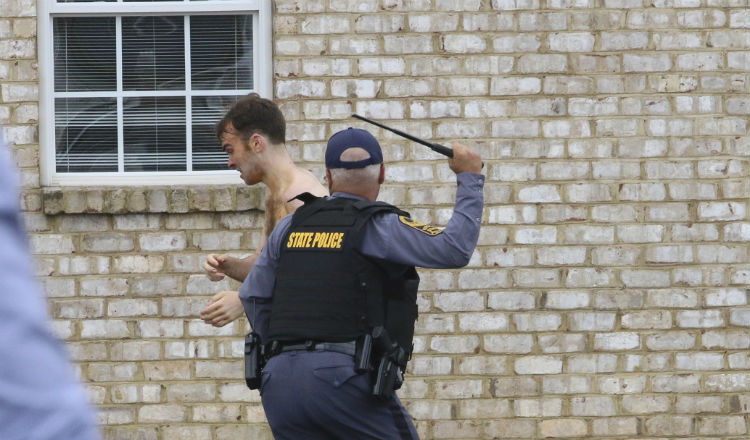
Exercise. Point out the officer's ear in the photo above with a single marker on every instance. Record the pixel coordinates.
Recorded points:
(329, 181)
(381, 177)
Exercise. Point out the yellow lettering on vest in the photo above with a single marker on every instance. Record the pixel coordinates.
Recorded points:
(338, 237)
(319, 240)
(300, 240)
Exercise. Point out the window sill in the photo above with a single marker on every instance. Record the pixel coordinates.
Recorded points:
(153, 199)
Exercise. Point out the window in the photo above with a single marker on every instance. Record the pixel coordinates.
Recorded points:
(138, 86)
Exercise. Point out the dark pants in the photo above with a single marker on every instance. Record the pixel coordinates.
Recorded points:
(317, 395)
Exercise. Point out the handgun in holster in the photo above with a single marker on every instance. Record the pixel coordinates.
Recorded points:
(389, 370)
(253, 360)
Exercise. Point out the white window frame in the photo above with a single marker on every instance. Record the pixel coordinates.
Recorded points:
(262, 80)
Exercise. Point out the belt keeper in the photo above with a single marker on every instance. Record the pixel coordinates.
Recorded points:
(274, 349)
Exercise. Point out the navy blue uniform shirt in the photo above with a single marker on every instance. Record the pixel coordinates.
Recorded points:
(387, 236)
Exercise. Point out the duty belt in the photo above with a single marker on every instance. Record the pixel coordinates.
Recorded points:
(348, 348)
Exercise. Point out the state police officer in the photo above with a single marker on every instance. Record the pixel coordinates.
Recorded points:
(333, 296)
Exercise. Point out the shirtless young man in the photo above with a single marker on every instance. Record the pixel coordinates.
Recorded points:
(252, 133)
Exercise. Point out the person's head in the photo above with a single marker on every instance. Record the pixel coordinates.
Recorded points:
(251, 129)
(354, 163)
(253, 114)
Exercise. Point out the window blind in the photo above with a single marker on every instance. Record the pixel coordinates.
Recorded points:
(86, 133)
(221, 52)
(207, 111)
(85, 54)
(154, 130)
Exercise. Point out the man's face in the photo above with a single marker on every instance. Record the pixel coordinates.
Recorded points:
(241, 156)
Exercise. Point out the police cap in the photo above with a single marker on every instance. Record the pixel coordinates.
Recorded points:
(350, 138)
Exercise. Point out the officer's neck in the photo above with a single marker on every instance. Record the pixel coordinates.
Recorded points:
(367, 193)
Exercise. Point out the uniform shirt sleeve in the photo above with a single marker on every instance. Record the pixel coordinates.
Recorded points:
(40, 397)
(391, 238)
(257, 289)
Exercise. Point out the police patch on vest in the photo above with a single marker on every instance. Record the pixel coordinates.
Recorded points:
(421, 227)
(315, 240)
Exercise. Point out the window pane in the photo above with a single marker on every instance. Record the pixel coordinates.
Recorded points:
(207, 111)
(81, 64)
(153, 53)
(154, 133)
(221, 52)
(86, 134)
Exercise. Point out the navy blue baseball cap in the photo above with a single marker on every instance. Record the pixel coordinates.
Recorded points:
(350, 138)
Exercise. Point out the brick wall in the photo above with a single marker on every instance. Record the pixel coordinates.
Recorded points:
(608, 296)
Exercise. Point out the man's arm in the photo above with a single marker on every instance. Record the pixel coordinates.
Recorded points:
(219, 265)
(225, 306)
(257, 290)
(278, 206)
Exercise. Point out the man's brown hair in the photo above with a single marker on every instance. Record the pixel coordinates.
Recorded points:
(253, 114)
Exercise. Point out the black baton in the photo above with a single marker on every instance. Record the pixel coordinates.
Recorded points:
(442, 149)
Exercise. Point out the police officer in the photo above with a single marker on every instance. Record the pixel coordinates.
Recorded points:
(336, 280)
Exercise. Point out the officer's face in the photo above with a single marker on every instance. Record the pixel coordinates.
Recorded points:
(241, 154)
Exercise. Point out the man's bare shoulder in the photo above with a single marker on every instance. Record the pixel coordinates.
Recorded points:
(304, 181)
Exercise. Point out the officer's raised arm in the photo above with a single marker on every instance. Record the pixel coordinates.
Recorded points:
(407, 240)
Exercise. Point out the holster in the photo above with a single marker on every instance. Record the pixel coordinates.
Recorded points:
(253, 360)
(389, 367)
(388, 378)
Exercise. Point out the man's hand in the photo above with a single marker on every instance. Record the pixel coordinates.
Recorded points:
(223, 308)
(465, 160)
(214, 267)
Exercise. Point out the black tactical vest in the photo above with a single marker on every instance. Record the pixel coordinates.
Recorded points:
(326, 290)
